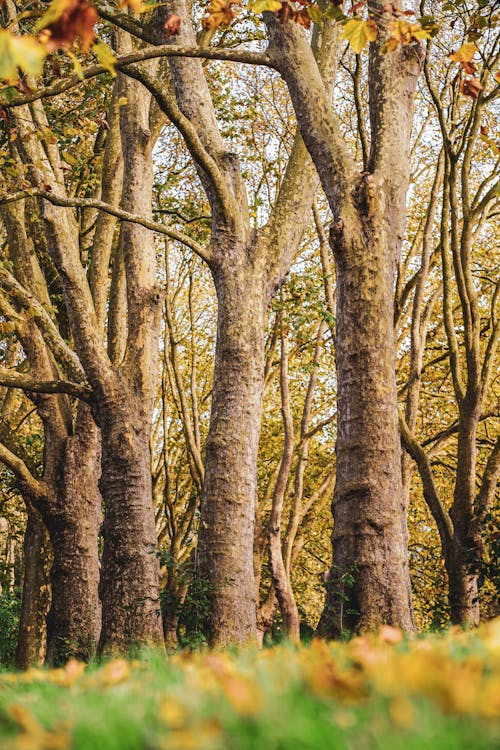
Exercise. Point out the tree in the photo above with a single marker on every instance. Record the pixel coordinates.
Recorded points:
(469, 202)
(369, 217)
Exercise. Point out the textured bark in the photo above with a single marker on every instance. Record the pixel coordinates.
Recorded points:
(32, 636)
(73, 522)
(280, 572)
(129, 585)
(463, 593)
(368, 539)
(369, 581)
(464, 559)
(229, 491)
(68, 501)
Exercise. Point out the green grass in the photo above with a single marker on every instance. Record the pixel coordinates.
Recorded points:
(377, 693)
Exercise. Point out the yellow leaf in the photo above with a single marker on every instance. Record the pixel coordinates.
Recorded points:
(106, 56)
(19, 52)
(172, 713)
(219, 13)
(465, 53)
(401, 711)
(404, 32)
(114, 672)
(261, 5)
(136, 6)
(77, 66)
(359, 33)
(52, 14)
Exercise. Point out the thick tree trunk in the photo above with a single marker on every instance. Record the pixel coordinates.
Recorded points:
(369, 582)
(32, 636)
(129, 585)
(130, 578)
(230, 486)
(75, 616)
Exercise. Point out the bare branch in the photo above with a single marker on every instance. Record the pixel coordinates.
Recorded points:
(14, 379)
(155, 226)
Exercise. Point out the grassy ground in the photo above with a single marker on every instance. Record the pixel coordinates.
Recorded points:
(381, 692)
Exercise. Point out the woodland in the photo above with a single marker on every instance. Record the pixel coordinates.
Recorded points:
(249, 363)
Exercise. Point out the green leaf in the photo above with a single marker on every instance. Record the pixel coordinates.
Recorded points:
(359, 33)
(336, 13)
(315, 13)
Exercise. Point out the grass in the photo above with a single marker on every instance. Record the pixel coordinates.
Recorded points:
(381, 692)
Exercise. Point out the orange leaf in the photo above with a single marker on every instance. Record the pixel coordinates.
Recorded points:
(219, 13)
(172, 25)
(73, 19)
(471, 87)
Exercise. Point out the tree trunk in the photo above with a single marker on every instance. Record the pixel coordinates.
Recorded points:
(464, 558)
(130, 579)
(230, 486)
(32, 636)
(280, 572)
(129, 585)
(369, 582)
(75, 616)
(463, 593)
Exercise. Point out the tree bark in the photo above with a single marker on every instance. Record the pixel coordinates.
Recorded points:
(35, 603)
(369, 582)
(129, 585)
(73, 522)
(230, 486)
(463, 592)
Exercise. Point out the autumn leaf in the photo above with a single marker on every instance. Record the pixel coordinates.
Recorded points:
(490, 142)
(106, 56)
(465, 53)
(262, 5)
(471, 87)
(114, 672)
(404, 32)
(497, 76)
(65, 21)
(172, 25)
(359, 33)
(464, 56)
(22, 52)
(136, 6)
(219, 13)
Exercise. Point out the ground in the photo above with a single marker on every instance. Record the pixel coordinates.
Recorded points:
(381, 692)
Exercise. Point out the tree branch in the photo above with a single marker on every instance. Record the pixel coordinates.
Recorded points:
(154, 226)
(147, 53)
(14, 379)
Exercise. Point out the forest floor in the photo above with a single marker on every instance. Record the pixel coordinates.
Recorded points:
(379, 692)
